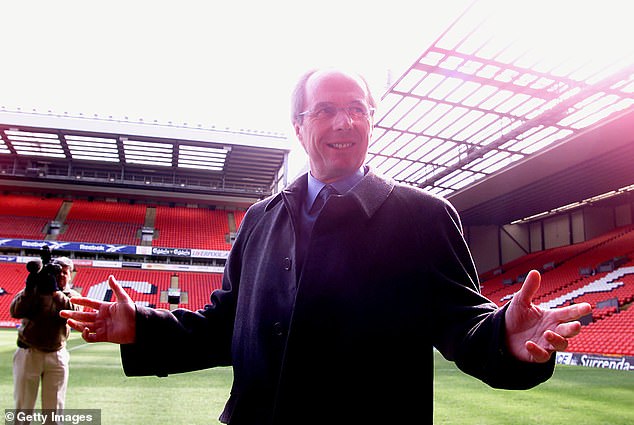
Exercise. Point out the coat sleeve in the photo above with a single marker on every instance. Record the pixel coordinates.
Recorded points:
(184, 340)
(470, 327)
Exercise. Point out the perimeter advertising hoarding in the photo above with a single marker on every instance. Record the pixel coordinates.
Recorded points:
(69, 246)
(114, 249)
(601, 361)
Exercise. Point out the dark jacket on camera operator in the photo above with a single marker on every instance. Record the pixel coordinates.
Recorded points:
(38, 305)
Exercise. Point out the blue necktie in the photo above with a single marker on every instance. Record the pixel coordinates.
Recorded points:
(321, 199)
(308, 220)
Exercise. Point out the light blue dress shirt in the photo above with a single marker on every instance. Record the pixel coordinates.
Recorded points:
(342, 186)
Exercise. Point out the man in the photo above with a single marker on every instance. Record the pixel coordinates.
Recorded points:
(41, 354)
(329, 315)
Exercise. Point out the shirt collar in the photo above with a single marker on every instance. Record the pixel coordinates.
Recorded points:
(342, 186)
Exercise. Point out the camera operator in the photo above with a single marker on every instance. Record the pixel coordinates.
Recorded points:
(41, 354)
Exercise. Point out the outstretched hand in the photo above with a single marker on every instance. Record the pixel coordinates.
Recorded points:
(110, 322)
(533, 334)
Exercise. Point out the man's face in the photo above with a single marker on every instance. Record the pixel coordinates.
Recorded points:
(336, 144)
(64, 277)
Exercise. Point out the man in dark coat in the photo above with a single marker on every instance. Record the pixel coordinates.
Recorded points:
(331, 306)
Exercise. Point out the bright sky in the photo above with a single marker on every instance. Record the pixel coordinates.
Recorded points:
(223, 63)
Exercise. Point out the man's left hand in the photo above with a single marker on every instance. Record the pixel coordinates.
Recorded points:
(533, 334)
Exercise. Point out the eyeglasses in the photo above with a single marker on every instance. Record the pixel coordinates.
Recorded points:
(328, 111)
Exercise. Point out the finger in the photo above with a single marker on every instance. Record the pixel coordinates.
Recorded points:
(119, 292)
(573, 312)
(539, 354)
(79, 315)
(91, 336)
(88, 336)
(557, 342)
(78, 326)
(87, 302)
(529, 288)
(569, 329)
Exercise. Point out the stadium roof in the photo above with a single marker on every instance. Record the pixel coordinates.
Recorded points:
(498, 89)
(509, 114)
(217, 163)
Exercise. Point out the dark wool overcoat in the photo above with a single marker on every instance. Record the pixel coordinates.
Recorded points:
(348, 337)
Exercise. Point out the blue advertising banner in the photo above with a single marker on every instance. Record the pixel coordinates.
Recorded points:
(69, 246)
(100, 248)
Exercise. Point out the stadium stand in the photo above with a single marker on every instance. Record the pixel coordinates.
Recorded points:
(115, 222)
(26, 216)
(613, 335)
(143, 286)
(117, 212)
(611, 330)
(103, 222)
(199, 286)
(197, 228)
(564, 265)
(146, 286)
(29, 206)
(12, 281)
(239, 215)
(100, 232)
(22, 227)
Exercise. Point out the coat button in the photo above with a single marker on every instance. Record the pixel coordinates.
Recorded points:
(287, 263)
(278, 329)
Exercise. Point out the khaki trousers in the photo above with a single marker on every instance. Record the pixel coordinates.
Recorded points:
(29, 367)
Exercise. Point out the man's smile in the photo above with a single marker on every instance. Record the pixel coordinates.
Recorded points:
(341, 145)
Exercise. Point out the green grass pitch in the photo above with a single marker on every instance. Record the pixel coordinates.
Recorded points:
(574, 396)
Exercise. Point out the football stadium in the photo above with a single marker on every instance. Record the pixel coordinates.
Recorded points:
(531, 142)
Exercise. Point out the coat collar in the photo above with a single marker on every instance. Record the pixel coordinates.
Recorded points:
(369, 193)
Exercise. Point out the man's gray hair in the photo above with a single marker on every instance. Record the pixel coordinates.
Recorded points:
(65, 262)
(298, 97)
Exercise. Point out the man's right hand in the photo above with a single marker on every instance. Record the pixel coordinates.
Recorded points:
(110, 322)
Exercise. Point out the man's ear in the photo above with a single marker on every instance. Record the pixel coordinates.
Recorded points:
(299, 135)
(297, 128)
